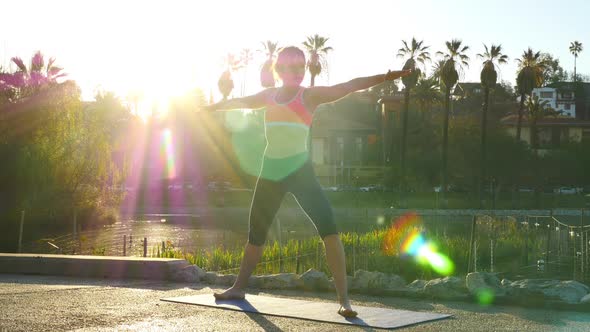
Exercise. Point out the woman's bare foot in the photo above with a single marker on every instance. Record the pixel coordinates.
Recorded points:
(347, 312)
(230, 294)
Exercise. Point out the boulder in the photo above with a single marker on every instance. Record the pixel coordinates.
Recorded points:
(225, 279)
(482, 282)
(210, 277)
(275, 281)
(314, 280)
(190, 273)
(567, 291)
(375, 281)
(446, 288)
(417, 285)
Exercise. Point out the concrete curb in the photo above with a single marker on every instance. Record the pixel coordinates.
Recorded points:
(91, 266)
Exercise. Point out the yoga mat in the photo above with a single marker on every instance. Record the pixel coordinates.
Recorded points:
(313, 310)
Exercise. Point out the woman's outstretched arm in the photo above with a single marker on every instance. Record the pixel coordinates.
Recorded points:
(252, 102)
(326, 94)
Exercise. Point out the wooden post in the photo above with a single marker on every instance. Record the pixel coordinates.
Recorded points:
(471, 243)
(318, 257)
(548, 247)
(298, 252)
(145, 247)
(582, 245)
(163, 246)
(20, 232)
(124, 245)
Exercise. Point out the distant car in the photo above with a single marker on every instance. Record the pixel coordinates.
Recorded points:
(218, 186)
(566, 191)
(331, 188)
(525, 190)
(371, 187)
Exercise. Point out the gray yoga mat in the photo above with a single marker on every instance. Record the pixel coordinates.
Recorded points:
(313, 310)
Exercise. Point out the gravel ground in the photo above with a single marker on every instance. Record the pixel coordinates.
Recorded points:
(41, 303)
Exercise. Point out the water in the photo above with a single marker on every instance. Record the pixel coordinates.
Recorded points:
(227, 228)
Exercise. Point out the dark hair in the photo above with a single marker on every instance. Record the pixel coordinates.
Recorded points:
(289, 54)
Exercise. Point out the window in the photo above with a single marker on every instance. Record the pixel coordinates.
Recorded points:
(477, 90)
(546, 94)
(567, 107)
(566, 95)
(358, 150)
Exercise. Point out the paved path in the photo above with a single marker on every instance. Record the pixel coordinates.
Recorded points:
(45, 303)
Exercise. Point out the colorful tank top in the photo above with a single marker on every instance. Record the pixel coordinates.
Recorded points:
(287, 127)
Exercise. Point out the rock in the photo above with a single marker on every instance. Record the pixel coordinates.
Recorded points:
(585, 299)
(210, 277)
(417, 284)
(225, 279)
(375, 281)
(275, 281)
(314, 280)
(567, 291)
(482, 282)
(446, 288)
(191, 273)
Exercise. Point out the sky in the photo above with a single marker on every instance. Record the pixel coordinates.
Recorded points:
(165, 48)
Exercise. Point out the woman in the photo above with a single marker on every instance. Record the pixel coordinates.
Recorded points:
(287, 167)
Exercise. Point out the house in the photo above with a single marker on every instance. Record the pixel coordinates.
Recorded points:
(579, 101)
(573, 100)
(560, 99)
(346, 143)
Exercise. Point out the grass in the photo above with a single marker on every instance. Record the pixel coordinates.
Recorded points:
(416, 200)
(514, 247)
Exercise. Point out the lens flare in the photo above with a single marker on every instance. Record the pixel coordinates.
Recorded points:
(167, 153)
(485, 296)
(405, 238)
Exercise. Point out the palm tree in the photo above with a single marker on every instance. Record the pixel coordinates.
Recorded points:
(454, 60)
(27, 80)
(225, 82)
(267, 79)
(426, 93)
(492, 57)
(531, 67)
(245, 58)
(317, 50)
(575, 48)
(537, 110)
(413, 52)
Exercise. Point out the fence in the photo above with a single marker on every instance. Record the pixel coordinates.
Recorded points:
(528, 246)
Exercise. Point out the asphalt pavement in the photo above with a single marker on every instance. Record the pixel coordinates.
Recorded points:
(50, 303)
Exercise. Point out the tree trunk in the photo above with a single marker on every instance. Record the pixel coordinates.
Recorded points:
(312, 80)
(483, 166)
(519, 121)
(445, 147)
(402, 180)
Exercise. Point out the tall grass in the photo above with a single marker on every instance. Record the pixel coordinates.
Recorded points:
(365, 251)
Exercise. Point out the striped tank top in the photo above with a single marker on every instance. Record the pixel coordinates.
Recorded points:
(287, 126)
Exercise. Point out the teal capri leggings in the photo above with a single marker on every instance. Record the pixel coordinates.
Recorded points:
(269, 194)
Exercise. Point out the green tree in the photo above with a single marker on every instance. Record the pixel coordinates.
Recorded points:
(553, 72)
(267, 78)
(413, 52)
(575, 49)
(489, 76)
(317, 50)
(454, 60)
(531, 69)
(426, 94)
